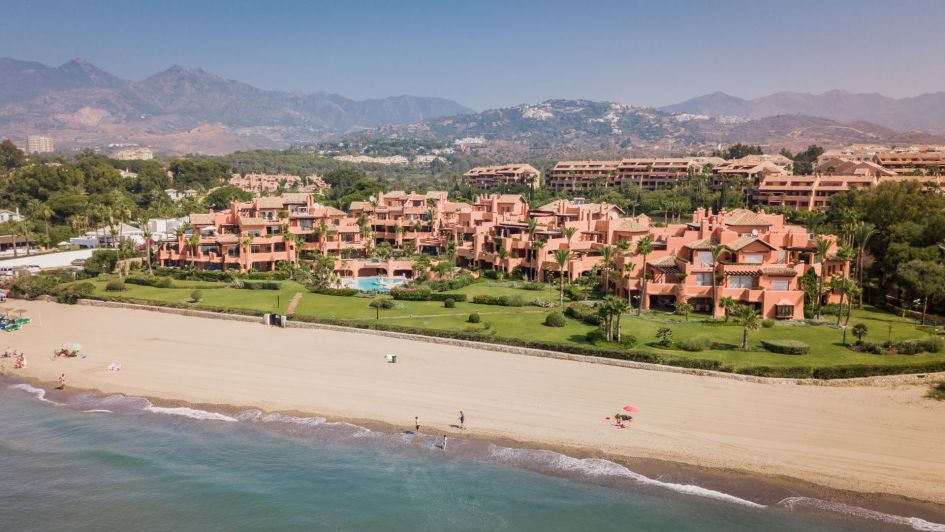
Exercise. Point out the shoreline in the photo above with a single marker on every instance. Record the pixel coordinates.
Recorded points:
(761, 489)
(158, 349)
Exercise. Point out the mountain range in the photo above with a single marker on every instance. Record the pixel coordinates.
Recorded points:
(925, 112)
(183, 109)
(557, 129)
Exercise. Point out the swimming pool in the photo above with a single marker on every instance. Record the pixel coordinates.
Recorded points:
(373, 284)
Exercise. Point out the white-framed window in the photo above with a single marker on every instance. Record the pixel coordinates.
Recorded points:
(704, 279)
(704, 258)
(741, 281)
(754, 258)
(781, 284)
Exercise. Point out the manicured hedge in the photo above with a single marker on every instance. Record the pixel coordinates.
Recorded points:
(504, 301)
(346, 292)
(585, 313)
(460, 281)
(786, 347)
(555, 319)
(421, 294)
(847, 372)
(792, 372)
(261, 285)
(155, 281)
(920, 345)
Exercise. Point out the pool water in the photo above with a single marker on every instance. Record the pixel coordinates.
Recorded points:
(373, 284)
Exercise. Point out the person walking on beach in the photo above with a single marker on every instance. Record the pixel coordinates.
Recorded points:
(443, 445)
(62, 381)
(416, 424)
(462, 420)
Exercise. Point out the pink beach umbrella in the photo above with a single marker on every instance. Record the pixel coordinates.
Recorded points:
(629, 408)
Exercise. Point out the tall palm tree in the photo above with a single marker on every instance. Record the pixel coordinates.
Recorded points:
(39, 209)
(729, 305)
(569, 234)
(628, 268)
(562, 257)
(644, 247)
(537, 246)
(823, 247)
(607, 263)
(846, 254)
(532, 227)
(749, 319)
(146, 233)
(864, 231)
(717, 250)
(618, 307)
(246, 242)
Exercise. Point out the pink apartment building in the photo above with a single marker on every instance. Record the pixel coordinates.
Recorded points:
(760, 264)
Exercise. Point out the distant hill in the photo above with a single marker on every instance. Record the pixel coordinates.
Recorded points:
(581, 128)
(924, 113)
(79, 105)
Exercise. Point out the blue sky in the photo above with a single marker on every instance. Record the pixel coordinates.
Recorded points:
(495, 53)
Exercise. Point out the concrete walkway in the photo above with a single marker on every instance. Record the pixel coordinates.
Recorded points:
(290, 310)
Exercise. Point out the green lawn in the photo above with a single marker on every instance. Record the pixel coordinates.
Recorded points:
(526, 322)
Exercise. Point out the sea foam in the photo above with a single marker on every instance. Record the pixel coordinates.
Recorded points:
(192, 413)
(862, 513)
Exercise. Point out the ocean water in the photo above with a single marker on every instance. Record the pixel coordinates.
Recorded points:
(81, 462)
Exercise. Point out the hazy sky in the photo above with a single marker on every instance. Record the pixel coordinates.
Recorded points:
(490, 54)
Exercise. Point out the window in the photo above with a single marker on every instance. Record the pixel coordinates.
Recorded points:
(704, 258)
(741, 281)
(704, 279)
(755, 258)
(781, 284)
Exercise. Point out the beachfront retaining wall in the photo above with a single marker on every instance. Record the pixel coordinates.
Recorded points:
(860, 381)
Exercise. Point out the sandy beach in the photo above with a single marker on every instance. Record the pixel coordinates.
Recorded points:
(870, 439)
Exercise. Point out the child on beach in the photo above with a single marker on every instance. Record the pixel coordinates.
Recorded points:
(462, 420)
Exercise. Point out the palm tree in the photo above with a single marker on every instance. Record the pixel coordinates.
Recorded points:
(823, 247)
(749, 319)
(607, 263)
(846, 255)
(537, 246)
(147, 246)
(717, 250)
(532, 227)
(41, 210)
(618, 307)
(728, 304)
(864, 231)
(644, 247)
(569, 233)
(562, 257)
(628, 268)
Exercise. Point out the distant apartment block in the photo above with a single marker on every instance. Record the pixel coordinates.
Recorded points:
(486, 177)
(581, 175)
(39, 144)
(365, 159)
(265, 183)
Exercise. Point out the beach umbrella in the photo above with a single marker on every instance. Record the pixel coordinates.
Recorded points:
(629, 408)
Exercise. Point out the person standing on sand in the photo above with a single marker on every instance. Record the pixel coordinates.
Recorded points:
(62, 381)
(462, 420)
(416, 424)
(444, 443)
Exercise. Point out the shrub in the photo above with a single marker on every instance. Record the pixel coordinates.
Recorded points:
(423, 294)
(555, 319)
(533, 285)
(767, 324)
(920, 345)
(585, 313)
(695, 344)
(196, 295)
(865, 370)
(455, 283)
(71, 294)
(786, 347)
(261, 276)
(627, 341)
(505, 301)
(261, 285)
(115, 285)
(33, 285)
(665, 336)
(101, 261)
(474, 318)
(344, 292)
(595, 337)
(791, 372)
(449, 303)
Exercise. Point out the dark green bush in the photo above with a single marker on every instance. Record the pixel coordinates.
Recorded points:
(555, 319)
(33, 286)
(793, 372)
(505, 301)
(919, 345)
(196, 295)
(585, 313)
(261, 285)
(627, 341)
(767, 324)
(423, 294)
(115, 285)
(101, 261)
(474, 318)
(786, 347)
(595, 337)
(344, 292)
(195, 275)
(266, 276)
(449, 303)
(864, 370)
(695, 344)
(71, 294)
(533, 285)
(157, 282)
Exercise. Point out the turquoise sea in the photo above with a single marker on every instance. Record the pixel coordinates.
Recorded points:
(81, 462)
